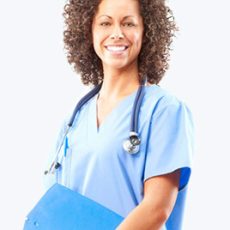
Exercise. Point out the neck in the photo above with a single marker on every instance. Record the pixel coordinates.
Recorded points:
(119, 83)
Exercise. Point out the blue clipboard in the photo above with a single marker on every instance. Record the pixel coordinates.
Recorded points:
(63, 209)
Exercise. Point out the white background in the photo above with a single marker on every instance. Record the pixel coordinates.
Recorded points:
(38, 88)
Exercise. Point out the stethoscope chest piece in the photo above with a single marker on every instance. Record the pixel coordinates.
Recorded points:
(132, 145)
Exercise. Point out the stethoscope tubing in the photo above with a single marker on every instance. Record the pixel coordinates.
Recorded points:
(133, 126)
(84, 100)
(136, 109)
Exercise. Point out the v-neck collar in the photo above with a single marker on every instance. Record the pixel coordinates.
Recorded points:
(121, 105)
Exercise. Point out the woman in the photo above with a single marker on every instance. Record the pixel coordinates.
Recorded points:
(122, 44)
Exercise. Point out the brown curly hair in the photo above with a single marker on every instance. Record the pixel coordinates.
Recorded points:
(159, 29)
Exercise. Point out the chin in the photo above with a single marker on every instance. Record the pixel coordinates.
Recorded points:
(118, 64)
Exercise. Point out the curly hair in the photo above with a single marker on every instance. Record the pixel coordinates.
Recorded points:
(159, 29)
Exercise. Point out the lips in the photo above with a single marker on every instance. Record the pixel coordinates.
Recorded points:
(116, 48)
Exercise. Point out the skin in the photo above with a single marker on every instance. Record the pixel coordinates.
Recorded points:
(117, 23)
(117, 31)
(118, 28)
(160, 195)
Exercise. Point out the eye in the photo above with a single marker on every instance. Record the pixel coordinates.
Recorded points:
(128, 24)
(105, 24)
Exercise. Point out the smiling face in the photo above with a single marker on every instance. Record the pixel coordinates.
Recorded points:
(117, 33)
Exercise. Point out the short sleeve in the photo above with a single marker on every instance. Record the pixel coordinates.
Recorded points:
(170, 142)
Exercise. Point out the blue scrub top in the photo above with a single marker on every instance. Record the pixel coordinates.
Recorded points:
(97, 166)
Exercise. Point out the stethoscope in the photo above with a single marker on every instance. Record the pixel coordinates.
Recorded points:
(131, 145)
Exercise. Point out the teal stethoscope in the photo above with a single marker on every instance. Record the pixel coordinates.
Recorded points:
(131, 145)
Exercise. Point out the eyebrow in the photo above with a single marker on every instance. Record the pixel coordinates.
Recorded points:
(128, 16)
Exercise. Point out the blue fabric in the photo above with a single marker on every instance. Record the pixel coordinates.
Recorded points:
(100, 169)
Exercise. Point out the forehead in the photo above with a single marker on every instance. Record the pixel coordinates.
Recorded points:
(118, 7)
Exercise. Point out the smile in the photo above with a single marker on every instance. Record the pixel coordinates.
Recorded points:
(116, 48)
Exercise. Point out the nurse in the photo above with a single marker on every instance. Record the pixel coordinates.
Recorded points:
(121, 44)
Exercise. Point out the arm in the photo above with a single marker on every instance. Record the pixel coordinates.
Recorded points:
(160, 195)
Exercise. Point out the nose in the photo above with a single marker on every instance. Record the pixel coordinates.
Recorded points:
(117, 33)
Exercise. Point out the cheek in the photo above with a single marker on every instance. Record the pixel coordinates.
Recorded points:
(98, 38)
(96, 43)
(137, 39)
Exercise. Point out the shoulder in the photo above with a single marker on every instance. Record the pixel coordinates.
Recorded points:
(158, 99)
(160, 104)
(168, 114)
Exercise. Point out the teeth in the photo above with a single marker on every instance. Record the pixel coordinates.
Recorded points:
(116, 48)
